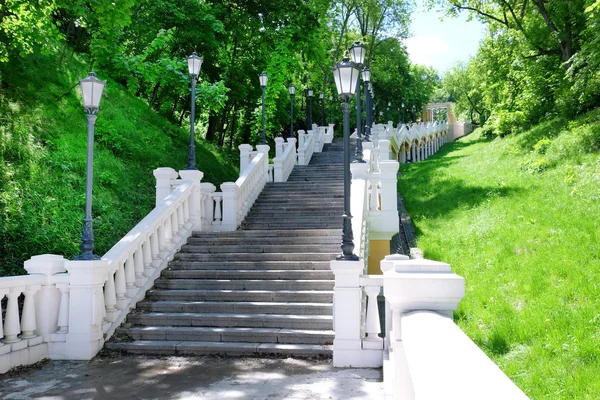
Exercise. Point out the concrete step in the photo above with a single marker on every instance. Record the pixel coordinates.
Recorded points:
(267, 248)
(324, 296)
(248, 274)
(245, 284)
(226, 241)
(307, 224)
(248, 320)
(295, 219)
(247, 265)
(229, 334)
(237, 307)
(232, 349)
(273, 233)
(257, 256)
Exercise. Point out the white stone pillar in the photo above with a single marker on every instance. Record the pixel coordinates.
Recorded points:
(86, 308)
(384, 148)
(264, 149)
(347, 344)
(47, 300)
(230, 206)
(195, 201)
(163, 176)
(279, 146)
(245, 150)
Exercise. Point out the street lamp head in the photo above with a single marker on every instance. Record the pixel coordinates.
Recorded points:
(292, 89)
(366, 75)
(263, 79)
(321, 95)
(389, 103)
(402, 105)
(91, 89)
(330, 97)
(357, 50)
(194, 64)
(345, 75)
(381, 113)
(310, 93)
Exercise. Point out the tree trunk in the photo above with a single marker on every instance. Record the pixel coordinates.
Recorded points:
(213, 124)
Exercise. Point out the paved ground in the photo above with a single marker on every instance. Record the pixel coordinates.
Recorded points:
(137, 377)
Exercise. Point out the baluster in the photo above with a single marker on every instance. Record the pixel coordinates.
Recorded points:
(138, 264)
(218, 199)
(162, 240)
(180, 220)
(28, 322)
(120, 286)
(186, 213)
(110, 297)
(130, 276)
(168, 233)
(63, 311)
(11, 321)
(174, 227)
(372, 325)
(374, 202)
(147, 254)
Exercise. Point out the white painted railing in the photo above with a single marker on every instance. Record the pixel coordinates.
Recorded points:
(285, 159)
(414, 142)
(328, 135)
(305, 147)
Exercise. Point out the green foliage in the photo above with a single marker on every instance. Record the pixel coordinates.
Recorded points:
(43, 161)
(521, 228)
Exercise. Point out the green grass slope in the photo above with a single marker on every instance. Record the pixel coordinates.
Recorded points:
(43, 161)
(519, 219)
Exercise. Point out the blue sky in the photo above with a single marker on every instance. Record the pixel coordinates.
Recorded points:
(441, 43)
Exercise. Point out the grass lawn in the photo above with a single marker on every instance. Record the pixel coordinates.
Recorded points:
(519, 219)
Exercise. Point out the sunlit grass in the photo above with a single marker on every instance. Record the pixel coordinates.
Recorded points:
(522, 226)
(43, 141)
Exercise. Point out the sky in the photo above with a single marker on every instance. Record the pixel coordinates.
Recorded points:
(441, 44)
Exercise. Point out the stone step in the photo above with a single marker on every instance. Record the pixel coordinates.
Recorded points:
(248, 320)
(244, 284)
(224, 241)
(233, 349)
(294, 218)
(307, 224)
(325, 296)
(257, 256)
(247, 274)
(247, 265)
(230, 334)
(294, 209)
(239, 307)
(312, 202)
(267, 248)
(274, 233)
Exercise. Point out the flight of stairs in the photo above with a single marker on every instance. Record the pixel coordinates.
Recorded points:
(264, 289)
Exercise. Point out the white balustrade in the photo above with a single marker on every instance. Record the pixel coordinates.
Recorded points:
(285, 161)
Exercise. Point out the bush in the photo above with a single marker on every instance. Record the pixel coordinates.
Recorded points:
(503, 123)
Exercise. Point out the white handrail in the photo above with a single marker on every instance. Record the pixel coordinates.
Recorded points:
(437, 350)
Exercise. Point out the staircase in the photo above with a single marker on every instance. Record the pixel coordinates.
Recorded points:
(264, 289)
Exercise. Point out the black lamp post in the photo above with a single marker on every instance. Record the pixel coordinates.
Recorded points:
(263, 85)
(366, 75)
(357, 50)
(346, 75)
(91, 89)
(389, 117)
(403, 114)
(310, 95)
(292, 90)
(194, 64)
(322, 97)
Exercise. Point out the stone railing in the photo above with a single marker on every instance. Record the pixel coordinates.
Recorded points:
(285, 159)
(413, 143)
(306, 147)
(328, 135)
(70, 308)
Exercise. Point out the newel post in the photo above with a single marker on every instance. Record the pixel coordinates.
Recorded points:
(245, 150)
(347, 344)
(86, 308)
(264, 149)
(279, 141)
(163, 176)
(48, 298)
(195, 201)
(384, 152)
(230, 206)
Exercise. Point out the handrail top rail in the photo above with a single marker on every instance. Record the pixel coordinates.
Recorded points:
(9, 282)
(131, 238)
(256, 160)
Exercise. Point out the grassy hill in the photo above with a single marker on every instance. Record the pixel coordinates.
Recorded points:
(43, 143)
(519, 218)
